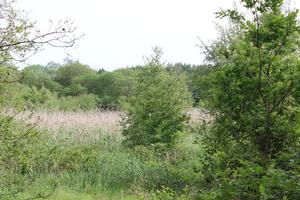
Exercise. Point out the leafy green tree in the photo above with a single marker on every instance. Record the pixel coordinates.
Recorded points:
(198, 79)
(40, 76)
(74, 89)
(19, 147)
(253, 148)
(199, 83)
(157, 113)
(67, 73)
(20, 38)
(253, 90)
(110, 87)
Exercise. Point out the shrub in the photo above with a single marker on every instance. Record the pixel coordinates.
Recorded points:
(157, 113)
(40, 76)
(83, 102)
(67, 73)
(21, 156)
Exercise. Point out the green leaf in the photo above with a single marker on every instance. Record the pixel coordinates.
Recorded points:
(262, 188)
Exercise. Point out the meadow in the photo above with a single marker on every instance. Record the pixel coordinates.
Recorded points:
(227, 129)
(88, 160)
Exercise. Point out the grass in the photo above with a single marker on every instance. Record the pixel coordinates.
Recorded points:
(66, 194)
(80, 126)
(88, 160)
(63, 192)
(87, 126)
(108, 121)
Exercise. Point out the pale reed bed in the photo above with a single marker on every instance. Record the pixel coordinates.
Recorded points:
(79, 125)
(108, 121)
(87, 126)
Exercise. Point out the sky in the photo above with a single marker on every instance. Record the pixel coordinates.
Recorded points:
(119, 33)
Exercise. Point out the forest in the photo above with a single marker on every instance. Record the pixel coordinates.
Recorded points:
(227, 129)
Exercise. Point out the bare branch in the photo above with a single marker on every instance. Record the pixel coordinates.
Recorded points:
(19, 37)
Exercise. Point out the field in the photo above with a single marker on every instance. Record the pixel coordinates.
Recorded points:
(87, 125)
(80, 126)
(89, 161)
(226, 128)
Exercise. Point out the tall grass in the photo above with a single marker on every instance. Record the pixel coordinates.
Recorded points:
(88, 161)
(77, 126)
(106, 120)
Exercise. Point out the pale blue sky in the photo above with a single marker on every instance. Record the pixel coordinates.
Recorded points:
(118, 33)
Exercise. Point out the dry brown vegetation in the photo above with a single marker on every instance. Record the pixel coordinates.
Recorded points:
(78, 125)
(89, 125)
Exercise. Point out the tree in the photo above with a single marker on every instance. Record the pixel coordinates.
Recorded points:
(20, 38)
(253, 148)
(197, 79)
(19, 144)
(39, 76)
(254, 87)
(67, 73)
(112, 88)
(156, 115)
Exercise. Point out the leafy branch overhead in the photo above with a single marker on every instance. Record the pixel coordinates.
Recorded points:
(20, 38)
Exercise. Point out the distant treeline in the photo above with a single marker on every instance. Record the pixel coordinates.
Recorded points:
(76, 86)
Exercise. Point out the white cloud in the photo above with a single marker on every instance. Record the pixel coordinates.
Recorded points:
(120, 32)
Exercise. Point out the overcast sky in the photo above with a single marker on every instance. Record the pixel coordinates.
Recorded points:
(118, 33)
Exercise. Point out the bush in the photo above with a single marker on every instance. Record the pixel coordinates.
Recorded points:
(23, 97)
(40, 77)
(157, 113)
(83, 102)
(22, 154)
(249, 180)
(112, 88)
(67, 73)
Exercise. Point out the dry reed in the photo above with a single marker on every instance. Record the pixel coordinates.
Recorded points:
(82, 126)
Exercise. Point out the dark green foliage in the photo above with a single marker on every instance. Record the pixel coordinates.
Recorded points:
(253, 91)
(74, 89)
(74, 79)
(39, 77)
(105, 86)
(112, 88)
(198, 80)
(233, 174)
(20, 160)
(253, 144)
(157, 113)
(83, 102)
(200, 84)
(105, 163)
(67, 73)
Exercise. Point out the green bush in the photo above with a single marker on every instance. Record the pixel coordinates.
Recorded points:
(40, 77)
(156, 115)
(253, 98)
(112, 88)
(23, 97)
(83, 102)
(244, 179)
(66, 74)
(73, 90)
(22, 154)
(105, 164)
